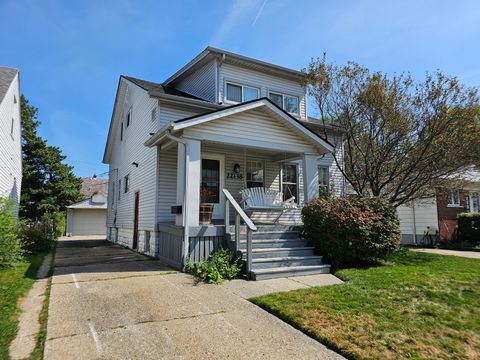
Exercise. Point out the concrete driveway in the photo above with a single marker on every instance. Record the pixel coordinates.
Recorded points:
(111, 303)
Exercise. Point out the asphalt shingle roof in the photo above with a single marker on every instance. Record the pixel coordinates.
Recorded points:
(168, 90)
(6, 78)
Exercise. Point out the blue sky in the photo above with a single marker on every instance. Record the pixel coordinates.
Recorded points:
(71, 54)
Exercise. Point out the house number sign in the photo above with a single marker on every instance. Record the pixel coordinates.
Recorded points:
(234, 175)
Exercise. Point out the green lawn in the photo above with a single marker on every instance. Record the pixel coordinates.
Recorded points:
(14, 283)
(415, 306)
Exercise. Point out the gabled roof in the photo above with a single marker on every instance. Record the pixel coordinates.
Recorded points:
(88, 204)
(211, 52)
(238, 108)
(6, 77)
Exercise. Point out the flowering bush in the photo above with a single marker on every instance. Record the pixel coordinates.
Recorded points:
(351, 230)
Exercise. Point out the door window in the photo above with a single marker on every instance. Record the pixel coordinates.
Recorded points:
(210, 186)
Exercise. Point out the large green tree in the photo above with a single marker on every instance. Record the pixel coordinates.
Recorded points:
(402, 138)
(48, 184)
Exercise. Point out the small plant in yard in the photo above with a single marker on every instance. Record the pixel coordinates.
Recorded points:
(10, 245)
(351, 230)
(219, 266)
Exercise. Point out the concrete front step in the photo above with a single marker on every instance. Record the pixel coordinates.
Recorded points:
(274, 243)
(287, 261)
(271, 273)
(280, 252)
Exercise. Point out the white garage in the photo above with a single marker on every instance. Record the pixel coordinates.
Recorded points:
(87, 217)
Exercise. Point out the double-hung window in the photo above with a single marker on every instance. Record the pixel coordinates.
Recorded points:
(454, 200)
(289, 181)
(286, 102)
(241, 93)
(255, 171)
(323, 180)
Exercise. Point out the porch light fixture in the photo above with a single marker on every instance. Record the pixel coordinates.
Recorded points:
(236, 168)
(135, 164)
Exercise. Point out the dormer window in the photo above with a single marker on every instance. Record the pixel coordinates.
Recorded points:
(241, 93)
(286, 102)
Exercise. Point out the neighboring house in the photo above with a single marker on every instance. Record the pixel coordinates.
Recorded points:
(10, 135)
(438, 215)
(89, 216)
(463, 196)
(223, 121)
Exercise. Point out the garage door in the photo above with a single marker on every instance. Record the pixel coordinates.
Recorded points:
(89, 222)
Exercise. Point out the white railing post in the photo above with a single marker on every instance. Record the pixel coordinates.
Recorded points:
(240, 215)
(249, 250)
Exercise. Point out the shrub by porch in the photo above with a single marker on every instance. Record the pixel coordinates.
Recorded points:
(351, 230)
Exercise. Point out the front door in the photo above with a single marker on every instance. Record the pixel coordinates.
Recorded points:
(135, 221)
(213, 180)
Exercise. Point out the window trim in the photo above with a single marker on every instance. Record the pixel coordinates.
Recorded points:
(227, 101)
(297, 180)
(126, 183)
(283, 95)
(451, 202)
(327, 168)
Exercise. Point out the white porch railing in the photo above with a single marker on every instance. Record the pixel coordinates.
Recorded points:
(239, 214)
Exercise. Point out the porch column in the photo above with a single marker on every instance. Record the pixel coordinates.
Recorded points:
(189, 173)
(310, 176)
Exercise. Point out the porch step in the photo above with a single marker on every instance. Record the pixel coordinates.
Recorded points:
(274, 243)
(287, 261)
(271, 273)
(278, 234)
(280, 252)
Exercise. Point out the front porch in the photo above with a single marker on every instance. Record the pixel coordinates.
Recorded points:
(259, 146)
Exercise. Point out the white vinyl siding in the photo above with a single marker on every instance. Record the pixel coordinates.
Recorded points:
(167, 180)
(265, 82)
(425, 215)
(200, 83)
(10, 143)
(132, 149)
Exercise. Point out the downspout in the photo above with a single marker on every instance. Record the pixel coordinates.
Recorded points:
(186, 227)
(414, 224)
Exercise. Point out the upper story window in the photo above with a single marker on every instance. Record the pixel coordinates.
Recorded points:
(126, 183)
(14, 99)
(241, 93)
(11, 128)
(121, 131)
(129, 117)
(286, 102)
(154, 114)
(119, 188)
(454, 199)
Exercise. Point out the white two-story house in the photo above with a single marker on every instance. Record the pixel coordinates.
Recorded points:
(10, 135)
(224, 122)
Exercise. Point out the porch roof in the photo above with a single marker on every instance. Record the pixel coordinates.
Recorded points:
(262, 103)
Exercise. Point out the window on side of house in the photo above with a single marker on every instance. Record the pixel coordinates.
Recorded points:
(11, 127)
(286, 102)
(475, 201)
(154, 114)
(289, 181)
(121, 131)
(14, 99)
(255, 173)
(113, 193)
(129, 117)
(323, 179)
(126, 183)
(241, 93)
(454, 198)
(119, 189)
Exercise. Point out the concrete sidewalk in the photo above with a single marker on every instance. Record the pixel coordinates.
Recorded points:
(111, 303)
(466, 254)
